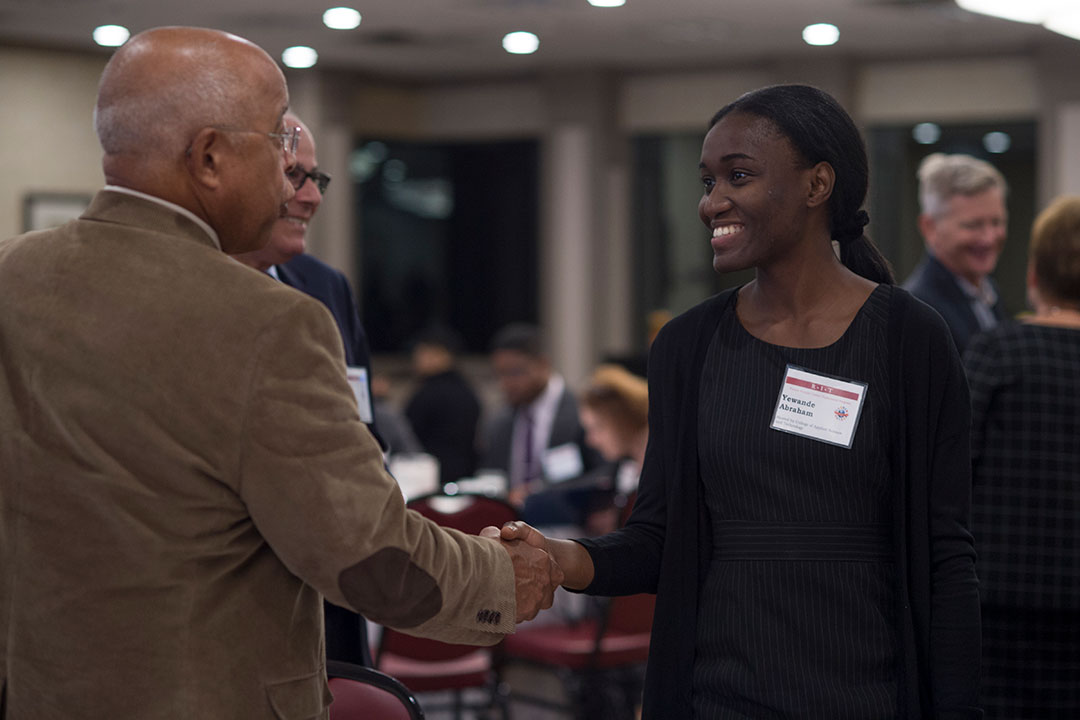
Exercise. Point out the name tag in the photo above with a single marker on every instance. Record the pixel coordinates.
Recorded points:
(819, 407)
(562, 463)
(358, 381)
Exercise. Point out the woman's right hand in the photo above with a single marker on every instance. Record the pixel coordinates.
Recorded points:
(518, 530)
(572, 557)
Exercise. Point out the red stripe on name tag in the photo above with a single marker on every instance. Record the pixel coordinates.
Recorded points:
(828, 390)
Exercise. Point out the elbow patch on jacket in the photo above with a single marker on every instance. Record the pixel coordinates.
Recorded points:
(388, 588)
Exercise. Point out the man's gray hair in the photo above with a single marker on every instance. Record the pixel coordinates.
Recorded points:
(942, 176)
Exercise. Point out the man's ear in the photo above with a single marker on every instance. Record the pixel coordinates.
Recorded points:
(926, 227)
(204, 157)
(822, 180)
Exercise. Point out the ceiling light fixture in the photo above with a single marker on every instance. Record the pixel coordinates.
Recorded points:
(997, 142)
(1065, 23)
(607, 3)
(299, 57)
(1060, 16)
(1027, 11)
(926, 133)
(341, 18)
(820, 34)
(111, 35)
(520, 43)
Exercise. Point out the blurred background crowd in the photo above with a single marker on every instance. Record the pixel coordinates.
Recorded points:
(508, 235)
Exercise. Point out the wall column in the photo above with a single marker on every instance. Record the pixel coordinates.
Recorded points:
(584, 255)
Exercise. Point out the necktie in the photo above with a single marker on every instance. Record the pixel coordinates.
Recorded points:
(529, 470)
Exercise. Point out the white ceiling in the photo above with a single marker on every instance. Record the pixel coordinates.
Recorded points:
(433, 39)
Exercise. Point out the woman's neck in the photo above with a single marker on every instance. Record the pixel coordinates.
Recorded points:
(808, 306)
(1055, 315)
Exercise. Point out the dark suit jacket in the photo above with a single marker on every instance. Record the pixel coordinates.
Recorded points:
(346, 632)
(331, 288)
(444, 413)
(565, 428)
(932, 283)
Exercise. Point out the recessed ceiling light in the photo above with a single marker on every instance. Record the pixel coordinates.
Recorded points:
(820, 34)
(926, 133)
(1066, 23)
(997, 142)
(341, 18)
(299, 56)
(1060, 16)
(521, 43)
(1029, 11)
(111, 35)
(607, 3)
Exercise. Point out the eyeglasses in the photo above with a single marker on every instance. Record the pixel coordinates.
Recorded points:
(290, 139)
(298, 176)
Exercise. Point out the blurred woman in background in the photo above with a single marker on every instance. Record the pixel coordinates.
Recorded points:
(1025, 397)
(614, 410)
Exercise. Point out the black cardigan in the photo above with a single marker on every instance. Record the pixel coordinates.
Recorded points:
(665, 546)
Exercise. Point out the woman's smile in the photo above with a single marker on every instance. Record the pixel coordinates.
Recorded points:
(723, 235)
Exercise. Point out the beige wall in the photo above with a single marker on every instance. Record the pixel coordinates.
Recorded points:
(48, 142)
(1001, 88)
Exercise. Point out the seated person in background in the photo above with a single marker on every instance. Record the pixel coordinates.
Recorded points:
(614, 410)
(1026, 495)
(537, 438)
(443, 411)
(615, 414)
(394, 429)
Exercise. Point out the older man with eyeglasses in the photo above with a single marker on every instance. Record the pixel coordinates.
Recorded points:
(183, 471)
(284, 258)
(289, 237)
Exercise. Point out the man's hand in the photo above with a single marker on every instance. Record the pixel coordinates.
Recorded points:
(573, 560)
(536, 574)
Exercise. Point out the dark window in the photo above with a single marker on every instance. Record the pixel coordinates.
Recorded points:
(673, 257)
(449, 234)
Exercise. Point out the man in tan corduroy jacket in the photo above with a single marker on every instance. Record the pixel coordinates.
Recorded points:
(183, 472)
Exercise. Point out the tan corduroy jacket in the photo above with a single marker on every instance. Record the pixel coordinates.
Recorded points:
(182, 473)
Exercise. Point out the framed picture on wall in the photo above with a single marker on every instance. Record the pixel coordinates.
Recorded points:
(43, 210)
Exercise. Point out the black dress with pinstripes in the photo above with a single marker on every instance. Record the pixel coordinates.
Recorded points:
(797, 612)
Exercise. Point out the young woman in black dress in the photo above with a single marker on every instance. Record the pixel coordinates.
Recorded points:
(802, 511)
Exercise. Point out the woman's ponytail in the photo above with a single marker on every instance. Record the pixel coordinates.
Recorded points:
(858, 253)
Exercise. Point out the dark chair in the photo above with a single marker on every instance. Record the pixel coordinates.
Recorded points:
(600, 661)
(428, 665)
(361, 693)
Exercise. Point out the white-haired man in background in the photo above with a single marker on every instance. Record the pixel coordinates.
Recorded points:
(963, 221)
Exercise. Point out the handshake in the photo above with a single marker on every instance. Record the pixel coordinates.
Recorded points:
(537, 572)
